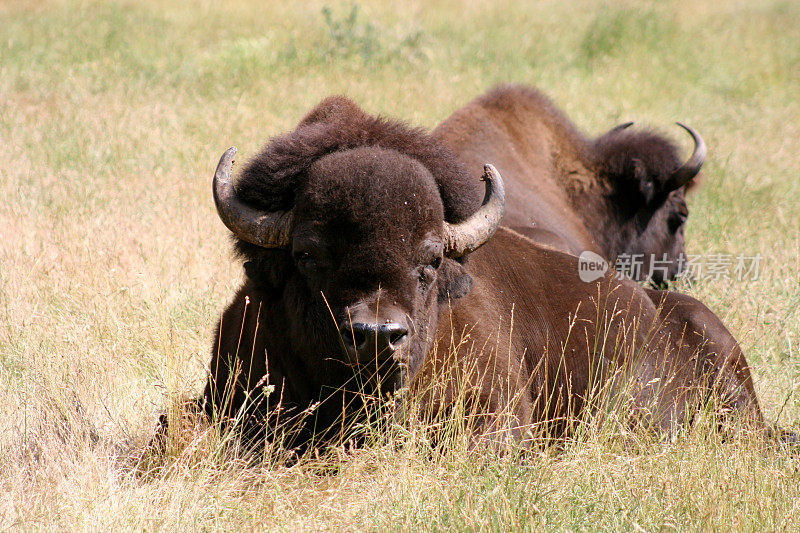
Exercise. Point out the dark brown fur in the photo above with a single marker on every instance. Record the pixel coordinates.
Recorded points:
(370, 197)
(665, 353)
(606, 195)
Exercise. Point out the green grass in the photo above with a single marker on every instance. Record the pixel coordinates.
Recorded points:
(114, 266)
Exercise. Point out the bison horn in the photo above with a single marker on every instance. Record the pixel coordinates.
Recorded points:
(263, 228)
(623, 126)
(469, 235)
(689, 170)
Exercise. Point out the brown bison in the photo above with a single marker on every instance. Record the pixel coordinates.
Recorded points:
(369, 262)
(621, 195)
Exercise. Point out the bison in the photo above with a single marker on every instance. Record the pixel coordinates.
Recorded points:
(621, 195)
(370, 261)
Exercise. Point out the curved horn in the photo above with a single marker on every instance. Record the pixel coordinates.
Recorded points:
(262, 228)
(469, 235)
(623, 126)
(689, 170)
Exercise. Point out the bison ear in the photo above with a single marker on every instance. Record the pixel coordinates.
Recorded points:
(250, 269)
(454, 281)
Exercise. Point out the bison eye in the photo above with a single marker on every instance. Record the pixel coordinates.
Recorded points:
(305, 261)
(427, 274)
(676, 220)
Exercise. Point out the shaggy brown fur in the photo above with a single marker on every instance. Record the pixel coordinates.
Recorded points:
(606, 195)
(337, 124)
(370, 198)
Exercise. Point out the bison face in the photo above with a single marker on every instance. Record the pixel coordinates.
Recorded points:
(657, 239)
(365, 258)
(367, 248)
(646, 200)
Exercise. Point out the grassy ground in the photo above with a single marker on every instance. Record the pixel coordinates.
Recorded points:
(114, 266)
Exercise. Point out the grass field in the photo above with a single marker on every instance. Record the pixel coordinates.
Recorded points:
(114, 266)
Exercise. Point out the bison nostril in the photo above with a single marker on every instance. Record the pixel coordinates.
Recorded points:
(358, 338)
(356, 335)
(397, 338)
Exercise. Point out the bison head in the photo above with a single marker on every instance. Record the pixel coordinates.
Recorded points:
(646, 182)
(360, 258)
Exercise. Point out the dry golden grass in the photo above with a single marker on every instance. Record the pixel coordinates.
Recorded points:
(114, 267)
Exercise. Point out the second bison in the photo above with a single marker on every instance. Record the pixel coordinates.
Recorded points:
(620, 195)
